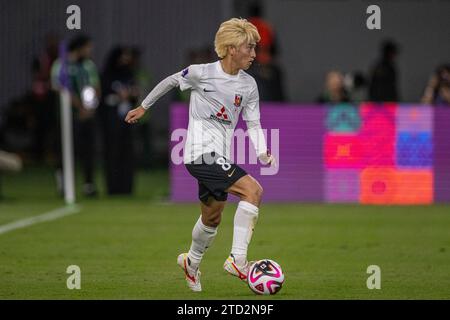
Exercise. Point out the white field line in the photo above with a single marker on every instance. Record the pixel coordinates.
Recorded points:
(48, 216)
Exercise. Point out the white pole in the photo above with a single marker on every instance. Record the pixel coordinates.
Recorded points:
(67, 147)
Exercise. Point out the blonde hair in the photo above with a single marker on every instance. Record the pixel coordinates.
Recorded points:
(234, 32)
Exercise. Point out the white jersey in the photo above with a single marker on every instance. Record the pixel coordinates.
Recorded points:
(217, 99)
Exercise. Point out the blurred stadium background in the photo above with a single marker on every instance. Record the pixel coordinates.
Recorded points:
(358, 118)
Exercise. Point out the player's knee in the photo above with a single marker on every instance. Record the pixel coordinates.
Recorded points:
(254, 194)
(258, 193)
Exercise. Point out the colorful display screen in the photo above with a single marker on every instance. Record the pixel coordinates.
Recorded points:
(368, 153)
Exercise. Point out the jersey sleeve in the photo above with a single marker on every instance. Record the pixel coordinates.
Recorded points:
(186, 79)
(161, 89)
(257, 137)
(190, 77)
(251, 109)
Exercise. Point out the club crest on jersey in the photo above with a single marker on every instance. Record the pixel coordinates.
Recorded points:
(237, 100)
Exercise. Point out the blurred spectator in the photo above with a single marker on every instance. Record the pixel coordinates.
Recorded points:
(266, 71)
(334, 90)
(141, 75)
(356, 85)
(269, 78)
(120, 95)
(143, 82)
(437, 91)
(19, 126)
(383, 77)
(267, 47)
(10, 162)
(84, 84)
(44, 100)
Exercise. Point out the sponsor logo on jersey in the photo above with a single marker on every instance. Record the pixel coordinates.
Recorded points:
(222, 113)
(213, 117)
(237, 100)
(185, 72)
(221, 116)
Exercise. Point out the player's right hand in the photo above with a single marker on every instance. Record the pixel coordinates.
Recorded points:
(134, 115)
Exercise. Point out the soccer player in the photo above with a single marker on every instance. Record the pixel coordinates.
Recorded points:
(220, 91)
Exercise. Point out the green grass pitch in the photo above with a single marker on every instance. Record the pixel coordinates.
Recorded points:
(126, 247)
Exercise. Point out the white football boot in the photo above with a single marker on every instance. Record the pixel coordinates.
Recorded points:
(232, 268)
(192, 276)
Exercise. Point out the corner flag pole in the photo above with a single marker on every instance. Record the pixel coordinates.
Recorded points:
(66, 130)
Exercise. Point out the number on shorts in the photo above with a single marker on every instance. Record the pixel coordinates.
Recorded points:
(222, 162)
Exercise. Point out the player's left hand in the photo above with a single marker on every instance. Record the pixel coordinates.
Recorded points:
(267, 158)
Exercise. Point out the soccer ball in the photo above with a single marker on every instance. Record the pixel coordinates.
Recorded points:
(265, 277)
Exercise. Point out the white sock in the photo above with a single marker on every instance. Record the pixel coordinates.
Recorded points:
(244, 224)
(202, 237)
